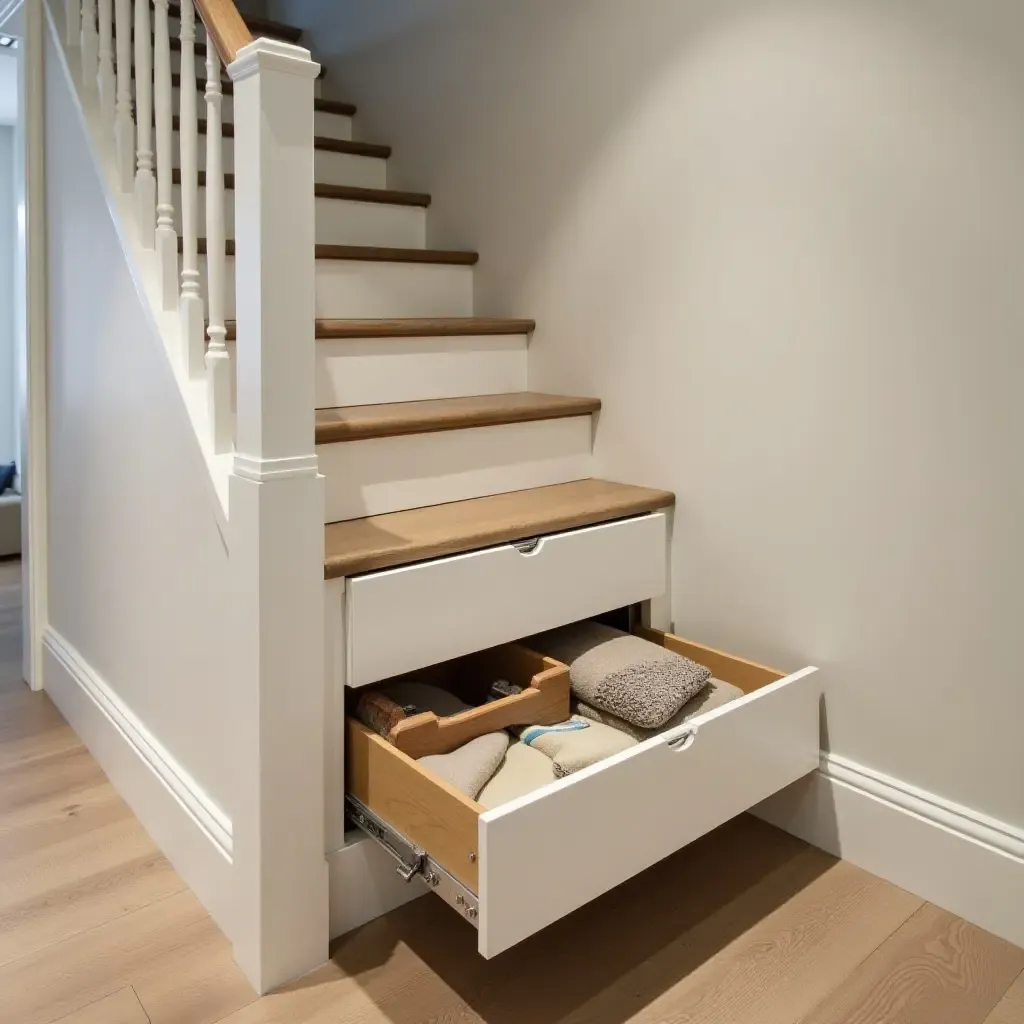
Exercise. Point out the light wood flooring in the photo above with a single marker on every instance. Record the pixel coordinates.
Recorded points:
(747, 926)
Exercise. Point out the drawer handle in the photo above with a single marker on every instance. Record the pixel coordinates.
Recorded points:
(528, 546)
(684, 742)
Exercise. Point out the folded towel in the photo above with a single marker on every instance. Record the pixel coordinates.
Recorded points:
(631, 678)
(522, 771)
(714, 695)
(575, 744)
(470, 767)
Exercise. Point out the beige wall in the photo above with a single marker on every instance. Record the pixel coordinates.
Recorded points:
(784, 243)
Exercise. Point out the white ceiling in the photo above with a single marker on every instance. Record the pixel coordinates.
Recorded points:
(8, 87)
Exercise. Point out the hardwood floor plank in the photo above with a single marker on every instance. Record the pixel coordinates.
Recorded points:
(1010, 1009)
(615, 957)
(53, 892)
(173, 955)
(56, 782)
(935, 968)
(59, 818)
(792, 957)
(122, 1007)
(31, 727)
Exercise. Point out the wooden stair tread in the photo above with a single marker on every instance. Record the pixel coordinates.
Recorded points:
(319, 141)
(259, 26)
(370, 253)
(451, 327)
(228, 88)
(386, 196)
(380, 542)
(394, 419)
(389, 254)
(456, 327)
(354, 193)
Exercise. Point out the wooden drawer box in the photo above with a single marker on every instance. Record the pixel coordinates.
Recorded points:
(543, 700)
(587, 833)
(405, 618)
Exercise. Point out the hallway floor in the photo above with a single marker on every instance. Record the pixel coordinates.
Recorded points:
(747, 926)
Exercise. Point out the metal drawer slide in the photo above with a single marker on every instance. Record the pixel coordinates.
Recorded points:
(412, 861)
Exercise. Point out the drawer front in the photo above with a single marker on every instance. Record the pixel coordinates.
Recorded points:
(586, 834)
(418, 615)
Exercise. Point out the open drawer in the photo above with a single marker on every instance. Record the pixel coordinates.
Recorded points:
(401, 619)
(519, 867)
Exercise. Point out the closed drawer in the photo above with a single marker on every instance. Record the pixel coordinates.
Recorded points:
(587, 833)
(417, 615)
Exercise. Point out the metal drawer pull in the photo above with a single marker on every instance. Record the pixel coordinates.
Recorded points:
(528, 546)
(684, 742)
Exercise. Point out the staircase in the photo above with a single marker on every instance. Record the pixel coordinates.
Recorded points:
(312, 330)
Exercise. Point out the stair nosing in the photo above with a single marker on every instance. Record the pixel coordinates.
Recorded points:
(373, 150)
(406, 550)
(440, 327)
(328, 329)
(370, 254)
(439, 416)
(351, 193)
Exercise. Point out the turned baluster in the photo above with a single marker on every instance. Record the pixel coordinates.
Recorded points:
(218, 362)
(166, 236)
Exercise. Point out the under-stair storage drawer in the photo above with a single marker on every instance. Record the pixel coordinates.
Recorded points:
(416, 615)
(518, 867)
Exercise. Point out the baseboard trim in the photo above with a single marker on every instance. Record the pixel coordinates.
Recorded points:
(364, 884)
(960, 859)
(193, 833)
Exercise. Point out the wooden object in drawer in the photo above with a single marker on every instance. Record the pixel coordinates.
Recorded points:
(543, 701)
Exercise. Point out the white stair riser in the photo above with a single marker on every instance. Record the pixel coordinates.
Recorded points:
(389, 474)
(339, 221)
(369, 371)
(328, 168)
(356, 289)
(333, 126)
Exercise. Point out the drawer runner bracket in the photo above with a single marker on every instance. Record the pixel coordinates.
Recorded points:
(412, 861)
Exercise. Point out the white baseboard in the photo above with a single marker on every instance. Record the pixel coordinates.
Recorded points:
(952, 856)
(192, 832)
(364, 883)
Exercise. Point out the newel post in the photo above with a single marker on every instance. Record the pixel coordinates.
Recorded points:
(276, 524)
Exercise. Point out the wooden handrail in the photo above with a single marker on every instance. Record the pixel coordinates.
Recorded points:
(225, 26)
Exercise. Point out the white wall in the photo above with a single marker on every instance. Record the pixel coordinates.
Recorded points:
(138, 570)
(8, 243)
(783, 240)
(8, 86)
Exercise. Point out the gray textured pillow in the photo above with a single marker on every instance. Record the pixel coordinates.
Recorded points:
(638, 681)
(714, 695)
